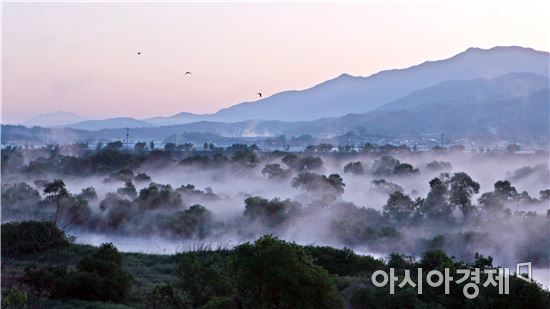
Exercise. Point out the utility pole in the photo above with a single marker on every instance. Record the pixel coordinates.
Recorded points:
(127, 138)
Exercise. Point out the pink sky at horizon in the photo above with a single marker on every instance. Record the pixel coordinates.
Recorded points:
(82, 57)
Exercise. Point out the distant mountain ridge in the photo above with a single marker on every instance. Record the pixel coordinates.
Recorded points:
(53, 119)
(475, 74)
(179, 118)
(348, 94)
(110, 123)
(460, 92)
(517, 118)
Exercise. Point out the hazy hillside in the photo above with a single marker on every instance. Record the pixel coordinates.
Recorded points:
(110, 123)
(348, 94)
(386, 90)
(179, 118)
(520, 117)
(516, 117)
(53, 119)
(502, 92)
(513, 85)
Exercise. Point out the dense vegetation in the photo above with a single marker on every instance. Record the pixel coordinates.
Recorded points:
(427, 212)
(268, 273)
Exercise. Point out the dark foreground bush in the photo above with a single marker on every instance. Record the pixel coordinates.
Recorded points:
(98, 277)
(31, 236)
(271, 273)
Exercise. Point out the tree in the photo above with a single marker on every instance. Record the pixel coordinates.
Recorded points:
(436, 259)
(168, 296)
(55, 191)
(142, 177)
(88, 193)
(19, 197)
(309, 163)
(107, 263)
(170, 147)
(462, 187)
(98, 277)
(324, 147)
(404, 169)
(30, 236)
(275, 171)
(503, 192)
(129, 190)
(139, 147)
(436, 205)
(399, 206)
(116, 145)
(313, 182)
(439, 166)
(289, 159)
(336, 182)
(306, 163)
(192, 222)
(354, 168)
(271, 273)
(544, 195)
(185, 147)
(205, 276)
(246, 158)
(271, 213)
(384, 166)
(386, 187)
(157, 196)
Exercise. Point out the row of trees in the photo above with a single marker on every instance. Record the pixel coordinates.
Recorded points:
(448, 193)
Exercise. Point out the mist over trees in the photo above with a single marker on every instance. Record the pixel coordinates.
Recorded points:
(443, 203)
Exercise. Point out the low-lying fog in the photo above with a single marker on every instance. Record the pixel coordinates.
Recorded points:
(316, 212)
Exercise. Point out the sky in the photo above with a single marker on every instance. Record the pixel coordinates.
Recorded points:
(81, 57)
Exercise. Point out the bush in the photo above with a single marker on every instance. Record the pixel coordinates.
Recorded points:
(343, 262)
(31, 236)
(107, 264)
(79, 285)
(98, 277)
(15, 299)
(354, 168)
(205, 276)
(168, 297)
(271, 273)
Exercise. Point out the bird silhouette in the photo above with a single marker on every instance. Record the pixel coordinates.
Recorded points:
(139, 53)
(187, 72)
(260, 94)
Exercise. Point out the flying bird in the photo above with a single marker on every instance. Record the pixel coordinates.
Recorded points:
(139, 53)
(260, 94)
(187, 72)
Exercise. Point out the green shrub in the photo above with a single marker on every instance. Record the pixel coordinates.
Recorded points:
(107, 264)
(167, 296)
(205, 276)
(31, 236)
(15, 299)
(271, 273)
(98, 277)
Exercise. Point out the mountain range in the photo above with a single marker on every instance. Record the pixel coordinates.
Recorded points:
(501, 90)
